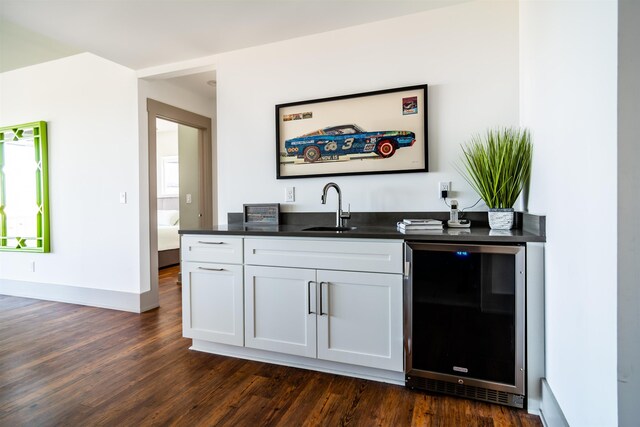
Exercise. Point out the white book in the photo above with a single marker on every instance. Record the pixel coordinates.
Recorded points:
(402, 226)
(422, 221)
(421, 231)
(405, 227)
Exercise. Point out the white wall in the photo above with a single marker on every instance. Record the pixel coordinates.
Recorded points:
(189, 177)
(468, 54)
(90, 105)
(568, 99)
(169, 93)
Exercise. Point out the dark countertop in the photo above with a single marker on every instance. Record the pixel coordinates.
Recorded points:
(480, 233)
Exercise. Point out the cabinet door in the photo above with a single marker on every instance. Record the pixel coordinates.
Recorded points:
(280, 306)
(212, 302)
(360, 319)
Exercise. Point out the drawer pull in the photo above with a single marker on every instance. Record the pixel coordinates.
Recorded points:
(211, 243)
(211, 269)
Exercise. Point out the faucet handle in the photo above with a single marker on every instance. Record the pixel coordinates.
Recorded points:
(348, 214)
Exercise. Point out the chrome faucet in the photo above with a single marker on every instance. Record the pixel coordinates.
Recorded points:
(340, 216)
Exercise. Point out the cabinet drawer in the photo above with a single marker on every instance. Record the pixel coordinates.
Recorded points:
(334, 254)
(208, 248)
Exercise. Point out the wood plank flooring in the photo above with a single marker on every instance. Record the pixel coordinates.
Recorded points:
(70, 365)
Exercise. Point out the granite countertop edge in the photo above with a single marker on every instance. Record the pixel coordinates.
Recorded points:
(473, 234)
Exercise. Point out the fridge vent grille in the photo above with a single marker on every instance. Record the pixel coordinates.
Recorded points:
(471, 392)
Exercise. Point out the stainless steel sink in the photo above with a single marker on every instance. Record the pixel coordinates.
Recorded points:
(324, 228)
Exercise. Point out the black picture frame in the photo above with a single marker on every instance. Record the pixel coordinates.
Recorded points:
(342, 135)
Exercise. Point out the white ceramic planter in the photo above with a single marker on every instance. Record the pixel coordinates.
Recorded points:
(501, 219)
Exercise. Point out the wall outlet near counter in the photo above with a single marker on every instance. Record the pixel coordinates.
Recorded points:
(290, 194)
(444, 186)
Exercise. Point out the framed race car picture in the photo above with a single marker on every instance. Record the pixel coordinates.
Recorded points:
(374, 132)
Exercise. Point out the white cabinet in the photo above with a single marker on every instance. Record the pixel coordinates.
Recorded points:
(280, 310)
(316, 299)
(360, 319)
(351, 317)
(212, 289)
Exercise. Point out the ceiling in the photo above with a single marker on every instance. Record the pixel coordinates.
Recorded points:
(202, 84)
(146, 33)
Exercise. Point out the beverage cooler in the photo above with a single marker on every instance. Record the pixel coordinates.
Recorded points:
(464, 314)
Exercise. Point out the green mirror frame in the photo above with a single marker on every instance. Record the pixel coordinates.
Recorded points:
(24, 188)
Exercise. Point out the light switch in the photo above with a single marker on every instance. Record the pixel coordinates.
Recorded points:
(123, 197)
(188, 198)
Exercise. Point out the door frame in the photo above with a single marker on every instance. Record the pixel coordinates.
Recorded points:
(157, 109)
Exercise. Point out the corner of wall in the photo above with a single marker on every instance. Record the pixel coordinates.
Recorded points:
(550, 411)
(148, 301)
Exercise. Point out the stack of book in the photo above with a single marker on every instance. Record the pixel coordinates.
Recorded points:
(419, 225)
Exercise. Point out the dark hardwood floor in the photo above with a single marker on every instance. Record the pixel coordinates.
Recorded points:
(65, 364)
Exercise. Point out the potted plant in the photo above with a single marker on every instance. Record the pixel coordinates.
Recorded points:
(498, 166)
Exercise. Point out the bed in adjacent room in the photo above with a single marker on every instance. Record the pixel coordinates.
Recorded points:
(168, 238)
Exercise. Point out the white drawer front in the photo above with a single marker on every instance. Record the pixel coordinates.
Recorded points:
(334, 254)
(209, 248)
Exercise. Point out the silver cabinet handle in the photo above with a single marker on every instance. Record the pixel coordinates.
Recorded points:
(211, 269)
(211, 243)
(321, 310)
(309, 297)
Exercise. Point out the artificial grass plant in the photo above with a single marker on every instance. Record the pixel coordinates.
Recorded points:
(498, 165)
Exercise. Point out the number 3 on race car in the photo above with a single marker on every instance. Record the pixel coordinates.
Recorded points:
(348, 143)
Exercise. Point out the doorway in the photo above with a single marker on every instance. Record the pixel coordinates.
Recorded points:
(179, 184)
(194, 198)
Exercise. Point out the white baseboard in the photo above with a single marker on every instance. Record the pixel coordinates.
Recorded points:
(550, 412)
(374, 374)
(116, 300)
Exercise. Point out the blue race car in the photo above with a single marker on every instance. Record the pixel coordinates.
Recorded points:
(332, 142)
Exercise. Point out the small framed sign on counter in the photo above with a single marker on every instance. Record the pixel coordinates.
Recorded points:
(261, 214)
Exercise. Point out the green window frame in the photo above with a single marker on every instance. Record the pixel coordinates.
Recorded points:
(14, 238)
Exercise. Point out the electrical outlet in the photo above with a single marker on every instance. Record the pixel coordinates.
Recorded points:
(443, 186)
(290, 194)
